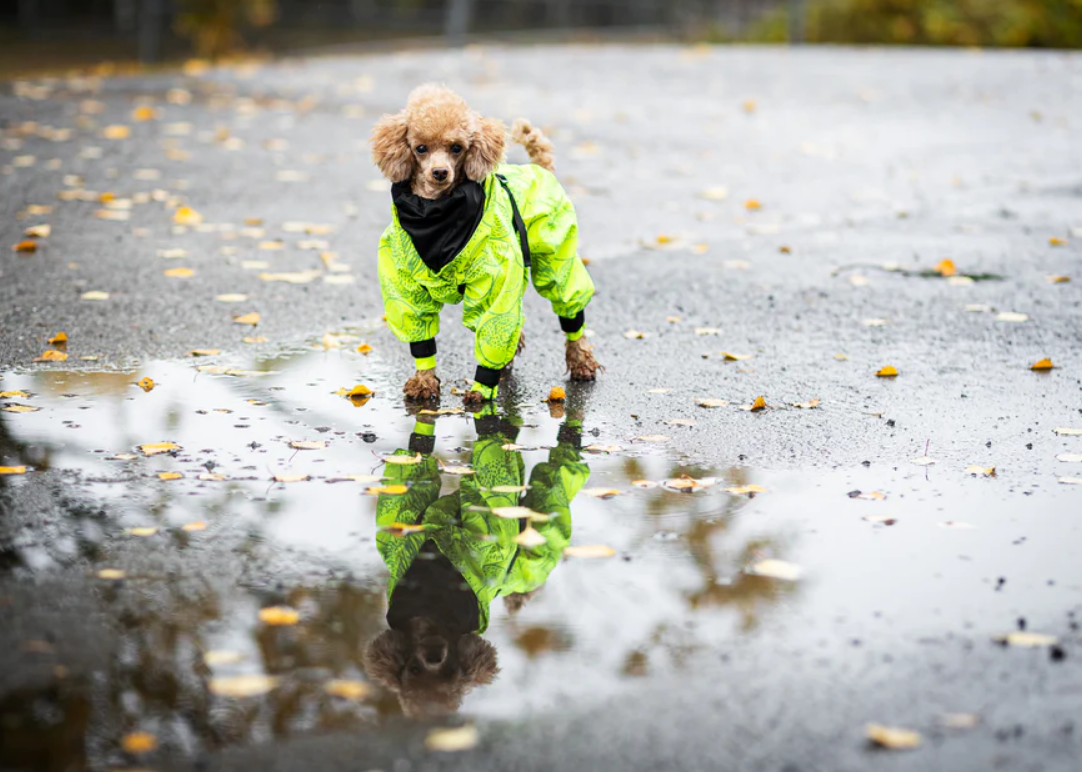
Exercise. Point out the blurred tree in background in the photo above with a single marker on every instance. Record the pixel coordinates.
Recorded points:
(1035, 23)
(215, 26)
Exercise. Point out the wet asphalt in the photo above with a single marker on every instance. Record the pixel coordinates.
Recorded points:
(862, 162)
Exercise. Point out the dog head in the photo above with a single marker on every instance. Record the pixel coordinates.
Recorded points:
(431, 672)
(437, 142)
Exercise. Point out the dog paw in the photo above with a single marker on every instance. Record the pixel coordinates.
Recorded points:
(580, 361)
(474, 398)
(423, 386)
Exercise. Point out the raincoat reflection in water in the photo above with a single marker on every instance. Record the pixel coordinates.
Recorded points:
(444, 577)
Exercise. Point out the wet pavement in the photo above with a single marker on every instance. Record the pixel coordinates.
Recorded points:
(754, 587)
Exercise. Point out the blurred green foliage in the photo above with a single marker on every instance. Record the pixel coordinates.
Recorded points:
(1033, 23)
(215, 27)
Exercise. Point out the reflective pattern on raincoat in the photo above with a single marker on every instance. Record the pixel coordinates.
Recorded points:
(488, 274)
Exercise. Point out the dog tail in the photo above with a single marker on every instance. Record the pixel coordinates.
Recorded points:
(538, 146)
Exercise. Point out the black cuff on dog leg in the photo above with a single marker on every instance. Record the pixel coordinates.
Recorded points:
(573, 324)
(423, 348)
(486, 376)
(422, 443)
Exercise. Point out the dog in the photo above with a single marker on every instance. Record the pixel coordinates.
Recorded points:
(468, 228)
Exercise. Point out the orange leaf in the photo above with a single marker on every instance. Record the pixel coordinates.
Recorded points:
(25, 246)
(185, 215)
(1044, 364)
(139, 742)
(52, 356)
(556, 395)
(888, 372)
(364, 348)
(144, 113)
(59, 339)
(252, 319)
(752, 205)
(945, 268)
(279, 615)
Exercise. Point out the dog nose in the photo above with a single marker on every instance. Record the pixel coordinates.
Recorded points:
(440, 175)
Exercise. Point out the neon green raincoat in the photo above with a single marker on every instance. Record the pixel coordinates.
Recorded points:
(480, 545)
(488, 274)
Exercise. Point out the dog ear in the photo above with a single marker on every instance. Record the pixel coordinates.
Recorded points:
(390, 150)
(478, 659)
(486, 149)
(385, 659)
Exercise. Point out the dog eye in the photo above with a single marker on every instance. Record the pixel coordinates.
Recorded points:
(422, 149)
(456, 148)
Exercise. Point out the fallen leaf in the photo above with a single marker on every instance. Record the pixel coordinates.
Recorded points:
(461, 738)
(364, 348)
(239, 686)
(658, 391)
(890, 371)
(1044, 364)
(945, 268)
(1059, 279)
(211, 477)
(402, 529)
(204, 352)
(169, 475)
(601, 493)
(95, 295)
(231, 297)
(1024, 639)
(707, 331)
(874, 322)
(1072, 458)
(756, 406)
(12, 470)
(25, 247)
(960, 720)
(634, 335)
(197, 525)
(842, 357)
(989, 471)
(348, 688)
(13, 394)
(253, 339)
(111, 573)
(59, 339)
(1061, 432)
(143, 531)
(154, 448)
(38, 231)
(744, 490)
(387, 490)
(216, 657)
(868, 496)
(308, 444)
(290, 478)
(752, 205)
(711, 402)
(686, 484)
(530, 538)
(653, 438)
(717, 193)
(556, 394)
(857, 280)
(144, 113)
(402, 459)
(16, 408)
(146, 384)
(1055, 241)
(810, 404)
(923, 461)
(892, 738)
(1011, 316)
(252, 319)
(271, 246)
(734, 357)
(589, 551)
(776, 569)
(178, 273)
(138, 742)
(279, 615)
(116, 131)
(680, 422)
(52, 356)
(1070, 481)
(518, 513)
(172, 254)
(185, 215)
(596, 448)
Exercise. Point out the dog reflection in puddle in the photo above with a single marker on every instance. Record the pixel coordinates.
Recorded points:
(449, 557)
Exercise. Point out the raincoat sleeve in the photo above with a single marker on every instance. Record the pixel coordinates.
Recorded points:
(412, 313)
(557, 271)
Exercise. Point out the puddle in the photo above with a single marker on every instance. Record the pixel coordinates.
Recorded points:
(225, 541)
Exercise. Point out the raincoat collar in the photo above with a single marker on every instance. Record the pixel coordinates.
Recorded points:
(439, 228)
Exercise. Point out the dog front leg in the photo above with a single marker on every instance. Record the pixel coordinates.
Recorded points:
(423, 386)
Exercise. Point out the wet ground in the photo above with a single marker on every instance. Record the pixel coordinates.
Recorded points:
(820, 574)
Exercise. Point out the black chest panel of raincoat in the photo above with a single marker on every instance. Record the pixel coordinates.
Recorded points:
(439, 228)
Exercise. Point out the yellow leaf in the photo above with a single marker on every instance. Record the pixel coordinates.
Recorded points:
(185, 215)
(59, 338)
(13, 408)
(139, 742)
(52, 356)
(1059, 279)
(231, 297)
(735, 357)
(308, 444)
(402, 459)
(212, 477)
(38, 231)
(842, 357)
(169, 475)
(347, 688)
(178, 273)
(146, 384)
(1057, 242)
(95, 295)
(402, 529)
(980, 470)
(785, 250)
(776, 569)
(749, 106)
(238, 686)
(143, 530)
(144, 113)
(111, 573)
(12, 470)
(13, 394)
(461, 738)
(387, 490)
(279, 615)
(116, 132)
(892, 738)
(869, 496)
(204, 352)
(589, 551)
(1044, 364)
(945, 268)
(364, 348)
(25, 246)
(601, 493)
(198, 525)
(271, 246)
(254, 339)
(744, 490)
(154, 448)
(889, 371)
(752, 205)
(252, 319)
(289, 478)
(557, 394)
(711, 402)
